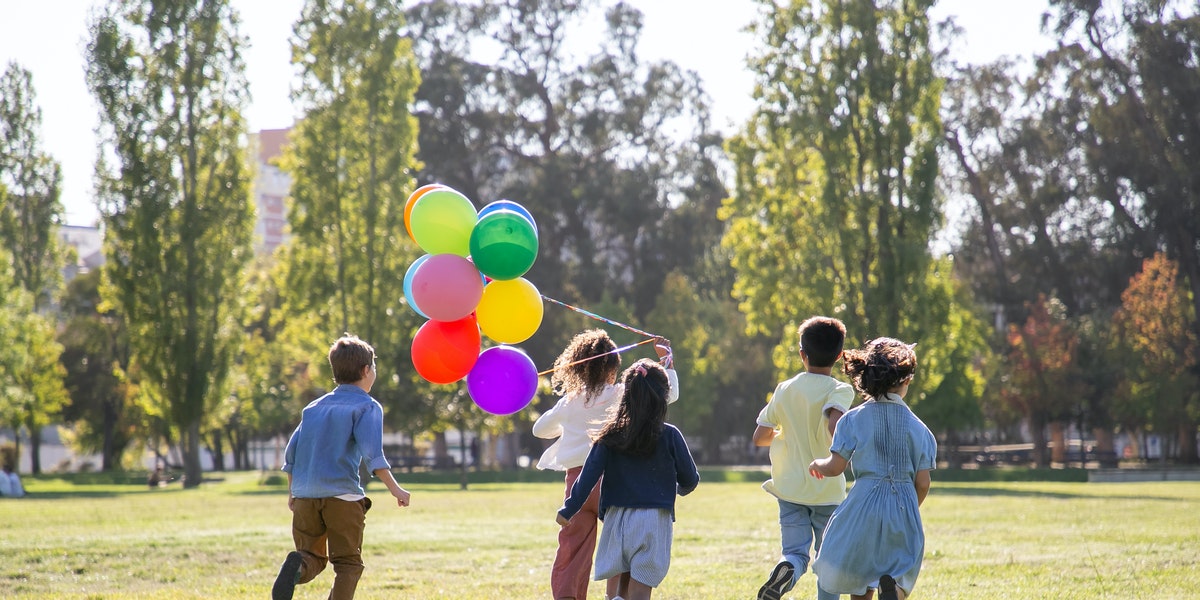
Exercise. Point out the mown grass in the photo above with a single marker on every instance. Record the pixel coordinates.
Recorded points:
(102, 538)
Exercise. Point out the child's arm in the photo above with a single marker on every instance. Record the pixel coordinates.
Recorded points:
(763, 435)
(830, 466)
(593, 469)
(400, 494)
(922, 482)
(833, 415)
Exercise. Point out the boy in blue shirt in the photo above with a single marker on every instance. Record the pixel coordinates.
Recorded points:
(797, 423)
(337, 431)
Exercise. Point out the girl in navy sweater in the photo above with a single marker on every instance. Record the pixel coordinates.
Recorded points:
(644, 462)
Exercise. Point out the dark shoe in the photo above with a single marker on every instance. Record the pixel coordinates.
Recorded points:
(289, 574)
(778, 583)
(887, 588)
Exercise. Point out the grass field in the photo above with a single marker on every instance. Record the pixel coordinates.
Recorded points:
(93, 539)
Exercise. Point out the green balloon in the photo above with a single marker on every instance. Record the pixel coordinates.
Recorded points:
(504, 245)
(442, 221)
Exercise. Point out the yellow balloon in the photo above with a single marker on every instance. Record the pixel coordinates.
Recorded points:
(510, 310)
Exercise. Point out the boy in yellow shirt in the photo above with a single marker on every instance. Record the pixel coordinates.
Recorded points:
(798, 423)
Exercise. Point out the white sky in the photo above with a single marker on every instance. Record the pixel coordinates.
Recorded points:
(48, 37)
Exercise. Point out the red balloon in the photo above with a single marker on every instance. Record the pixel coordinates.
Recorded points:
(445, 351)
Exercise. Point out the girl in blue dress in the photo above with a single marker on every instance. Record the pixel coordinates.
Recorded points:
(875, 539)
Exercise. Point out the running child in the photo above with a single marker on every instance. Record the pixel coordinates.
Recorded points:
(585, 375)
(875, 539)
(644, 462)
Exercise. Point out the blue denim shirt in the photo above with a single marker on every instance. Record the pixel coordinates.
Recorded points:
(336, 432)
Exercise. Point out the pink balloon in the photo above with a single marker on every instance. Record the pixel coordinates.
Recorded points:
(447, 287)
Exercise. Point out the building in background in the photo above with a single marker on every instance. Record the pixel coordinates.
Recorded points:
(271, 186)
(86, 240)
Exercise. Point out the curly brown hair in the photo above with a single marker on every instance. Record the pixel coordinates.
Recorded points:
(576, 370)
(880, 365)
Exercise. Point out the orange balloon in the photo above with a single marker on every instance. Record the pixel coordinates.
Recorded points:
(412, 199)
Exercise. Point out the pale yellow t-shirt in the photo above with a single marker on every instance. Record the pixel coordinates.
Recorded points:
(797, 409)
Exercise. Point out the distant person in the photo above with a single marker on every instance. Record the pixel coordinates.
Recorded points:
(875, 539)
(641, 463)
(337, 431)
(797, 423)
(10, 483)
(585, 373)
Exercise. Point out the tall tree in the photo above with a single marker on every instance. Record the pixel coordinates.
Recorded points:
(835, 199)
(174, 195)
(352, 161)
(1132, 70)
(31, 213)
(613, 154)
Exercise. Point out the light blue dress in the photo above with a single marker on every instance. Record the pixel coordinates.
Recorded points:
(877, 530)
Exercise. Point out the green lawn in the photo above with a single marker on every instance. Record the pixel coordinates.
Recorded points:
(97, 540)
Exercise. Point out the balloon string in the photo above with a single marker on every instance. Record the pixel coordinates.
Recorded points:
(599, 318)
(617, 351)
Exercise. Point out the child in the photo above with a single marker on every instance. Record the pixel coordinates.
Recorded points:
(328, 504)
(585, 374)
(798, 423)
(644, 462)
(875, 539)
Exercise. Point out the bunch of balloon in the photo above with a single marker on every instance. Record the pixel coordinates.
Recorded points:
(471, 284)
(443, 286)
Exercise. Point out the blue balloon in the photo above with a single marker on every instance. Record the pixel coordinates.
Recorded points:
(509, 205)
(408, 284)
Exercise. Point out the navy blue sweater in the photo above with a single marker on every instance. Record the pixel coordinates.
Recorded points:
(636, 481)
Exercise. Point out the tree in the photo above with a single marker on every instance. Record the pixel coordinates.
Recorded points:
(1163, 357)
(102, 415)
(174, 195)
(612, 154)
(29, 215)
(352, 162)
(31, 211)
(1040, 376)
(835, 199)
(1132, 69)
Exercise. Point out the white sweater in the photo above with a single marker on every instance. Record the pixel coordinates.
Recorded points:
(575, 421)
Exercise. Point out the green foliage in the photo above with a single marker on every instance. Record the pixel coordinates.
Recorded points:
(351, 161)
(101, 415)
(612, 154)
(835, 203)
(174, 195)
(29, 191)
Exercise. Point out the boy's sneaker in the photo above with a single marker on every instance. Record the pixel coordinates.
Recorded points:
(778, 583)
(289, 574)
(887, 588)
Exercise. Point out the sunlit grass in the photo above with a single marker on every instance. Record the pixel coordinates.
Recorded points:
(107, 540)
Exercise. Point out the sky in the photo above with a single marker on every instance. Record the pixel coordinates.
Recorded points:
(48, 39)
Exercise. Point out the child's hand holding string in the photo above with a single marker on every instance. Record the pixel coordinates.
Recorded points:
(662, 346)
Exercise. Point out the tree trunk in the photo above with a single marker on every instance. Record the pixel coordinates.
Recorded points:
(35, 450)
(1037, 428)
(1187, 443)
(1058, 443)
(1105, 449)
(192, 473)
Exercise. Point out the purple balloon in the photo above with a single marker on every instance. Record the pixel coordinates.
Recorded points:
(503, 380)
